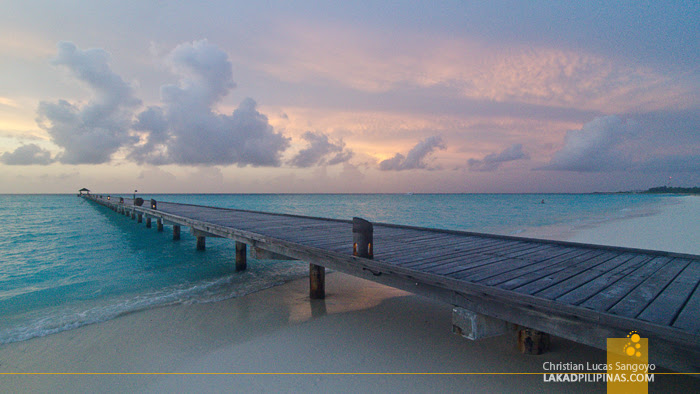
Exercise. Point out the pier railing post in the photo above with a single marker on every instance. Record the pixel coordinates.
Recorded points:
(362, 238)
(241, 258)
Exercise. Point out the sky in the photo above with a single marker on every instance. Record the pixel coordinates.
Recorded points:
(348, 97)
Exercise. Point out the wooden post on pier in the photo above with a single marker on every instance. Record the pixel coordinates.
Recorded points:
(241, 258)
(140, 218)
(133, 215)
(148, 222)
(176, 232)
(317, 282)
(159, 224)
(362, 238)
(201, 242)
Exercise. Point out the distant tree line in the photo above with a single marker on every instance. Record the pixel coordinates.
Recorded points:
(675, 190)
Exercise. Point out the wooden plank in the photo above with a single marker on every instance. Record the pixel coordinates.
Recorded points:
(580, 278)
(669, 303)
(609, 296)
(440, 250)
(478, 268)
(538, 272)
(304, 234)
(530, 262)
(580, 294)
(473, 253)
(476, 249)
(453, 267)
(496, 268)
(317, 237)
(512, 269)
(500, 254)
(553, 278)
(443, 251)
(428, 237)
(688, 317)
(638, 299)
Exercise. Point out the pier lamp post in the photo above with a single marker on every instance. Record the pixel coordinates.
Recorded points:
(153, 204)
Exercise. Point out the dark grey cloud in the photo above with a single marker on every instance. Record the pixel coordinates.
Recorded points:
(187, 130)
(92, 133)
(415, 158)
(492, 161)
(319, 150)
(27, 155)
(652, 142)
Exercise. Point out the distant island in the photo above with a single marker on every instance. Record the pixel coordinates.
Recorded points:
(673, 190)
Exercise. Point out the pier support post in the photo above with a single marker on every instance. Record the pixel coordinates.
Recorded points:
(133, 215)
(532, 341)
(140, 218)
(201, 242)
(317, 282)
(241, 258)
(176, 232)
(148, 222)
(159, 224)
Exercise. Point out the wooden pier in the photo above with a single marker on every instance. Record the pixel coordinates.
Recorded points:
(584, 293)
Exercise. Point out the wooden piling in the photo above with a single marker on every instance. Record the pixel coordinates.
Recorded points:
(133, 215)
(159, 224)
(241, 258)
(201, 242)
(140, 218)
(317, 282)
(532, 341)
(176, 232)
(148, 222)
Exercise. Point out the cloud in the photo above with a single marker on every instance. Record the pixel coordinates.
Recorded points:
(651, 142)
(594, 146)
(415, 157)
(533, 73)
(92, 133)
(494, 160)
(187, 130)
(27, 155)
(318, 149)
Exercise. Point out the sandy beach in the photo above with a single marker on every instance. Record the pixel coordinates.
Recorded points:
(361, 327)
(674, 228)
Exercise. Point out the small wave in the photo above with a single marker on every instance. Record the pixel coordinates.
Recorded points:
(44, 323)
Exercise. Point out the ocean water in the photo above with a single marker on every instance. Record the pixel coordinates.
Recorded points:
(65, 262)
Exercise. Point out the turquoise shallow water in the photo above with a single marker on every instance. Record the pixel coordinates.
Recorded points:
(65, 262)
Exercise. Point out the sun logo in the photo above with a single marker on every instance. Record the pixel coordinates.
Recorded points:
(632, 348)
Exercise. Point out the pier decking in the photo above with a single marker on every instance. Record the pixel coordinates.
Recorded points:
(585, 293)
